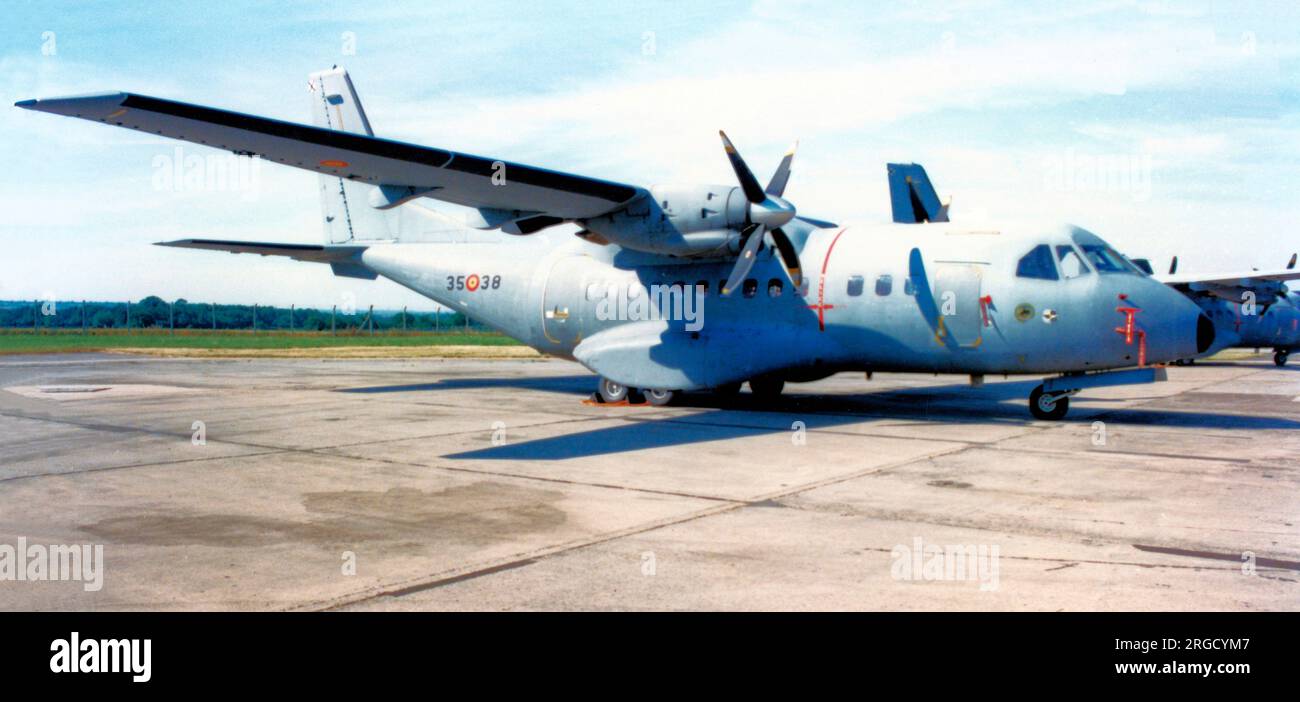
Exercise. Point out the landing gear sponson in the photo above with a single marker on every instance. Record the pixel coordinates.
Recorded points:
(1280, 356)
(1051, 400)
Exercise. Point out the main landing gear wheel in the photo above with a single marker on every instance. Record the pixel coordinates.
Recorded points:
(660, 398)
(766, 388)
(1279, 357)
(1045, 405)
(611, 391)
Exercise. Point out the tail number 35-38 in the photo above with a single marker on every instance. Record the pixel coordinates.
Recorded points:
(473, 282)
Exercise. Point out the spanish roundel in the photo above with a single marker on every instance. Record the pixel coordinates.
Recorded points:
(471, 283)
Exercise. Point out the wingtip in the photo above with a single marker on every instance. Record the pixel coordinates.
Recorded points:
(26, 104)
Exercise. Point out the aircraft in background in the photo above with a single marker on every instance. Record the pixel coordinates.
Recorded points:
(1254, 307)
(696, 287)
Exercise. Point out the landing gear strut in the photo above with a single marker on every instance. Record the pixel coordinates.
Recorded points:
(1279, 357)
(1044, 405)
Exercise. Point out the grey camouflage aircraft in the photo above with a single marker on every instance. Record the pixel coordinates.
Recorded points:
(669, 289)
(1250, 309)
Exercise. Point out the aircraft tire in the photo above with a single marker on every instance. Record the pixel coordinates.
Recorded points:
(611, 392)
(1280, 357)
(1042, 406)
(660, 398)
(766, 388)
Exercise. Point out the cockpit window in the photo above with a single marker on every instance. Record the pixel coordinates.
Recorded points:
(1104, 259)
(1038, 263)
(1071, 265)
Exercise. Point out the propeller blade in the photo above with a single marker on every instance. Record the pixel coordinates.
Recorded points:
(1173, 265)
(1291, 264)
(789, 256)
(753, 235)
(753, 191)
(776, 186)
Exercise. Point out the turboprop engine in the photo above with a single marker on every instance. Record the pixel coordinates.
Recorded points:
(707, 220)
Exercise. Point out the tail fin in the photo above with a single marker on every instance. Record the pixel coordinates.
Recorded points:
(912, 197)
(344, 203)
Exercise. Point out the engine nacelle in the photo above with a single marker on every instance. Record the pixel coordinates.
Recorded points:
(690, 220)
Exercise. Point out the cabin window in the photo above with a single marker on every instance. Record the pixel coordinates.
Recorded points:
(884, 285)
(1038, 263)
(855, 285)
(909, 288)
(1072, 266)
(774, 287)
(750, 288)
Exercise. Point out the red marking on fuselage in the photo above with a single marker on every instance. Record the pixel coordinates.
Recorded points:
(821, 305)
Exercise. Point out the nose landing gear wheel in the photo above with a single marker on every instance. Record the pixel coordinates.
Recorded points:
(1279, 357)
(611, 391)
(660, 398)
(1045, 405)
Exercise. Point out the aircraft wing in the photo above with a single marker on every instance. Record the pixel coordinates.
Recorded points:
(401, 168)
(1242, 278)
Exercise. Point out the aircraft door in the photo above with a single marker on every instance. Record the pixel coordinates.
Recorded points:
(562, 300)
(957, 292)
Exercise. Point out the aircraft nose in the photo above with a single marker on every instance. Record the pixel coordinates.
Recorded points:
(1204, 333)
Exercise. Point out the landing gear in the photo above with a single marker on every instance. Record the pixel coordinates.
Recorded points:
(1185, 362)
(766, 388)
(611, 391)
(660, 398)
(728, 390)
(1279, 357)
(1045, 405)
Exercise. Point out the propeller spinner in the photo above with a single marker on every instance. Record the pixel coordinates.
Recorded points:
(768, 211)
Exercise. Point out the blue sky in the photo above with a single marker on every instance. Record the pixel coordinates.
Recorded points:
(1164, 127)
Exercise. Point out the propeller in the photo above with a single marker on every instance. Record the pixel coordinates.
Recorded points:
(767, 212)
(1290, 265)
(1173, 265)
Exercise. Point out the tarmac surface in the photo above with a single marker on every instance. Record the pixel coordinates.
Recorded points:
(470, 485)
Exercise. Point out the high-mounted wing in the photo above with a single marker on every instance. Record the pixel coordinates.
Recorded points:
(1241, 278)
(396, 167)
(1264, 287)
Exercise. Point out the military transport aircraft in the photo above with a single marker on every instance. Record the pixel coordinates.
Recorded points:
(698, 287)
(1253, 307)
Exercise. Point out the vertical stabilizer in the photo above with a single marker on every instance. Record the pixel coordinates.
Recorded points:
(344, 203)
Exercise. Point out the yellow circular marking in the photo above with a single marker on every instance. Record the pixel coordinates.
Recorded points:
(471, 283)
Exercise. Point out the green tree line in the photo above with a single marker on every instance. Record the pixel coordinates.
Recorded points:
(154, 313)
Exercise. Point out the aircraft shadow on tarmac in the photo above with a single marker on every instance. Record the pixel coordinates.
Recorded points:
(742, 416)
